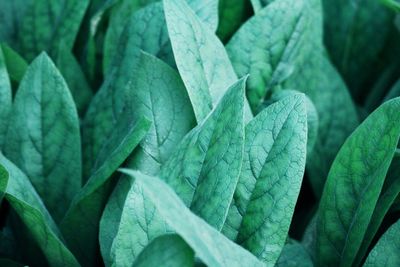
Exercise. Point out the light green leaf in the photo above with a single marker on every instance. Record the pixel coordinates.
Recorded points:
(349, 44)
(5, 99)
(160, 95)
(75, 78)
(270, 180)
(205, 167)
(43, 137)
(46, 24)
(386, 251)
(80, 224)
(294, 255)
(354, 184)
(200, 57)
(27, 204)
(167, 251)
(121, 13)
(276, 36)
(151, 204)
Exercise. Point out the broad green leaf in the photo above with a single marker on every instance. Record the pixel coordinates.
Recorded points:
(276, 36)
(200, 57)
(204, 169)
(231, 15)
(390, 190)
(5, 99)
(153, 209)
(75, 78)
(160, 95)
(80, 224)
(167, 251)
(46, 24)
(43, 137)
(349, 44)
(27, 204)
(207, 10)
(393, 4)
(272, 172)
(386, 251)
(16, 65)
(354, 184)
(294, 255)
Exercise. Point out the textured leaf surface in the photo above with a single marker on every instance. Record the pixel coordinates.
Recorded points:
(43, 138)
(207, 10)
(294, 255)
(349, 30)
(386, 251)
(276, 35)
(165, 212)
(204, 169)
(27, 204)
(168, 251)
(161, 96)
(5, 99)
(46, 24)
(354, 184)
(200, 57)
(270, 179)
(80, 225)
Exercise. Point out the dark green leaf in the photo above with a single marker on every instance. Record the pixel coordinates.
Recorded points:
(27, 204)
(354, 184)
(16, 65)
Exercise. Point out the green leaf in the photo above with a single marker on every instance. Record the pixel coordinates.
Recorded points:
(386, 251)
(5, 99)
(16, 65)
(393, 92)
(354, 184)
(80, 224)
(43, 138)
(3, 182)
(390, 190)
(151, 204)
(270, 180)
(201, 58)
(75, 78)
(205, 167)
(161, 96)
(46, 24)
(294, 255)
(168, 251)
(276, 34)
(231, 15)
(349, 44)
(126, 9)
(27, 204)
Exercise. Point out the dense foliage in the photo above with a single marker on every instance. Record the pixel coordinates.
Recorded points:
(199, 133)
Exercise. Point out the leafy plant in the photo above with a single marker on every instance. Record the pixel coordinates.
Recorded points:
(199, 133)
